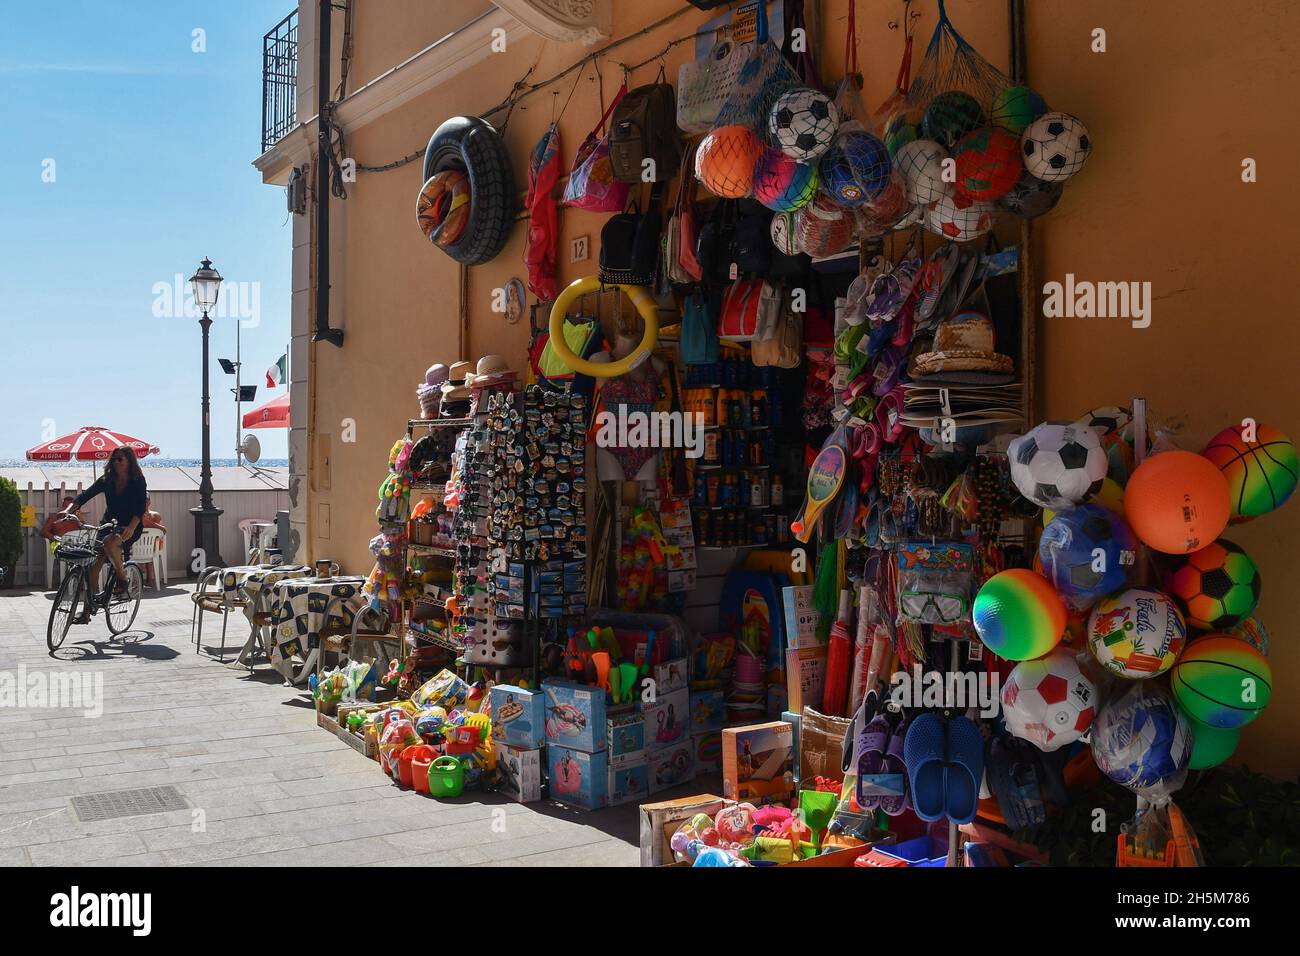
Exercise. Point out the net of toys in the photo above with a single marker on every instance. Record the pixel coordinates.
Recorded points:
(797, 544)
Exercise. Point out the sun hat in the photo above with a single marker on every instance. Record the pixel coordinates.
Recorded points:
(436, 375)
(457, 386)
(491, 370)
(963, 343)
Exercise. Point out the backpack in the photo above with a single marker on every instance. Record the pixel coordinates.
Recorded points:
(629, 247)
(644, 127)
(751, 248)
(699, 342)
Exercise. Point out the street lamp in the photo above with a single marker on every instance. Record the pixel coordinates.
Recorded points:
(206, 285)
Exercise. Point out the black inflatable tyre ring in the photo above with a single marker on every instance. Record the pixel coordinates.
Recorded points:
(472, 144)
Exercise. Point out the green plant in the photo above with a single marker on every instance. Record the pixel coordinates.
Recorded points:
(11, 534)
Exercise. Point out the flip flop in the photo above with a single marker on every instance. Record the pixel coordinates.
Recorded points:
(872, 743)
(964, 771)
(923, 752)
(894, 763)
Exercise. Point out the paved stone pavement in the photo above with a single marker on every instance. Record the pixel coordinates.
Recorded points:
(273, 788)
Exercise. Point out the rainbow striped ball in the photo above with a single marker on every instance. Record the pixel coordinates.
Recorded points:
(1222, 682)
(1018, 615)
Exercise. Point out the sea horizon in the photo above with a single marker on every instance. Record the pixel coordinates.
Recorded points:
(147, 462)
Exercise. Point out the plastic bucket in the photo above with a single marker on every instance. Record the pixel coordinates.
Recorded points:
(406, 772)
(446, 777)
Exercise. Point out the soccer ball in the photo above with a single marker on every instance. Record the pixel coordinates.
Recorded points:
(855, 168)
(958, 218)
(1110, 420)
(803, 123)
(1140, 738)
(921, 163)
(1136, 634)
(1055, 146)
(1087, 553)
(1057, 465)
(1049, 701)
(1217, 587)
(785, 236)
(1030, 197)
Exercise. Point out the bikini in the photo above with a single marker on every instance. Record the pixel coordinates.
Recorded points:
(622, 396)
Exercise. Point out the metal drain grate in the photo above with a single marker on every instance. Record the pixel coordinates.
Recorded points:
(127, 803)
(176, 623)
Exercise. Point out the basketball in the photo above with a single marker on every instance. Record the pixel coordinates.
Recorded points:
(782, 184)
(1018, 615)
(1015, 107)
(1136, 634)
(988, 163)
(1217, 587)
(725, 161)
(1177, 502)
(1222, 682)
(1261, 475)
(1211, 745)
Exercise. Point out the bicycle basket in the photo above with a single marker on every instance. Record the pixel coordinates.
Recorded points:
(78, 546)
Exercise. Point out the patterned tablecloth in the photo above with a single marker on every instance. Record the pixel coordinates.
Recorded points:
(298, 615)
(247, 582)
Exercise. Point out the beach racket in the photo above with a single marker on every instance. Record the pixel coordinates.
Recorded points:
(824, 480)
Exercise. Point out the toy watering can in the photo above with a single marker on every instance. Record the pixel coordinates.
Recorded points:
(446, 777)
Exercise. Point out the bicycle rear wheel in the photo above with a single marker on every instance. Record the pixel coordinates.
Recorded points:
(122, 608)
(71, 592)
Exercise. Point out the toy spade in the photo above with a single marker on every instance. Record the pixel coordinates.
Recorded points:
(818, 808)
(601, 660)
(629, 677)
(648, 660)
(615, 684)
(824, 480)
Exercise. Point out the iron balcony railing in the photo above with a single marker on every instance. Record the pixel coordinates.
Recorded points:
(279, 80)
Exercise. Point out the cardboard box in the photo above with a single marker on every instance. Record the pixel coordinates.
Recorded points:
(575, 715)
(708, 709)
(518, 716)
(671, 766)
(628, 783)
(708, 751)
(670, 676)
(365, 743)
(667, 718)
(625, 739)
(801, 618)
(821, 739)
(758, 762)
(579, 779)
(805, 676)
(659, 820)
(521, 772)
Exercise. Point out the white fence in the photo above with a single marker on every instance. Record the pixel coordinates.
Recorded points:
(239, 492)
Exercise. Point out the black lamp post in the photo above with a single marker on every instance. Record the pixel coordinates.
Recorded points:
(206, 285)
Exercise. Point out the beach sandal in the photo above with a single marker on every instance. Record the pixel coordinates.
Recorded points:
(923, 752)
(935, 278)
(873, 740)
(888, 369)
(894, 763)
(905, 324)
(964, 772)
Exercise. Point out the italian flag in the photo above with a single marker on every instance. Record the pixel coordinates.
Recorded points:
(278, 373)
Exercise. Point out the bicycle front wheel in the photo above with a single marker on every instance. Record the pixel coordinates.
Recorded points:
(122, 608)
(71, 592)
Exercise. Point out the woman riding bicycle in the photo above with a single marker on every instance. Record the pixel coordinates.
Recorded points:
(125, 497)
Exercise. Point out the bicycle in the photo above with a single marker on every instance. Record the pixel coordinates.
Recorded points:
(79, 550)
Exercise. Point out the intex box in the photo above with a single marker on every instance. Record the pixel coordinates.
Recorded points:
(579, 779)
(625, 739)
(518, 716)
(671, 766)
(575, 715)
(667, 719)
(628, 783)
(758, 762)
(708, 751)
(708, 710)
(670, 676)
(521, 773)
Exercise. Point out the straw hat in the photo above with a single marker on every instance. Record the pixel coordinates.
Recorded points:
(491, 370)
(964, 343)
(436, 375)
(457, 384)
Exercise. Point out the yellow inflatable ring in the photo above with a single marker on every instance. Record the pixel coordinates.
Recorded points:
(645, 304)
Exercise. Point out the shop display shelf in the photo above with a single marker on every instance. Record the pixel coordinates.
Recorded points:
(414, 423)
(430, 550)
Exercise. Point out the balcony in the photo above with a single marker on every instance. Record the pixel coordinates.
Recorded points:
(279, 80)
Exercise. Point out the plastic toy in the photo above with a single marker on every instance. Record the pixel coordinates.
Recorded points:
(817, 807)
(824, 480)
(446, 777)
(641, 300)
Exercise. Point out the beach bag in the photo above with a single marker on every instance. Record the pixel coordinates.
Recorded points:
(699, 344)
(644, 128)
(629, 247)
(780, 338)
(683, 231)
(748, 305)
(704, 85)
(592, 185)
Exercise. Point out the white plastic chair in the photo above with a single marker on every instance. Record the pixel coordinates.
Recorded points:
(257, 532)
(148, 551)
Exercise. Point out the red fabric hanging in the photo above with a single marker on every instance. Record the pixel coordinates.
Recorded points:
(543, 230)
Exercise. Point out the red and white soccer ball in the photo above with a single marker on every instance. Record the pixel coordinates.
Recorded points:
(1049, 701)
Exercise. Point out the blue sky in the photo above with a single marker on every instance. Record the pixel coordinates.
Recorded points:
(152, 145)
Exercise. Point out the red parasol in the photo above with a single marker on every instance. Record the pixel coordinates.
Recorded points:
(89, 443)
(274, 414)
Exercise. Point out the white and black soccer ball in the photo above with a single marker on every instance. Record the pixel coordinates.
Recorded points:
(802, 123)
(1108, 420)
(1058, 465)
(1055, 146)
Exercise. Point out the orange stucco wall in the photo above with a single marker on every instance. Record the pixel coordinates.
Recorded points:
(1185, 92)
